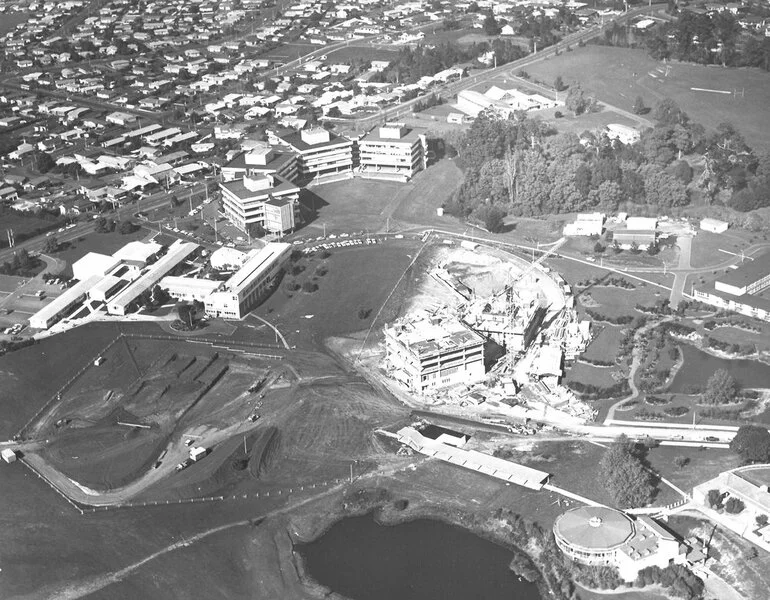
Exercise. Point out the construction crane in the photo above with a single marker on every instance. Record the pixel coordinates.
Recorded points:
(533, 265)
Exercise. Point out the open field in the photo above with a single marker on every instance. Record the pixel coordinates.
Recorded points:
(363, 52)
(589, 374)
(618, 75)
(24, 225)
(629, 595)
(103, 243)
(604, 346)
(707, 247)
(359, 278)
(33, 374)
(359, 204)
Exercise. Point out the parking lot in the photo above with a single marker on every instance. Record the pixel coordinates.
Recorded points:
(20, 298)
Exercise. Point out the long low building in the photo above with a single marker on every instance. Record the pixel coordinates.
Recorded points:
(250, 284)
(177, 252)
(60, 306)
(189, 288)
(741, 290)
(474, 460)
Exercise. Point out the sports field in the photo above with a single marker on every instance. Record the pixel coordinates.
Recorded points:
(618, 75)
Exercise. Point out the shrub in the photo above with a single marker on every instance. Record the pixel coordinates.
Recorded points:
(734, 506)
(309, 287)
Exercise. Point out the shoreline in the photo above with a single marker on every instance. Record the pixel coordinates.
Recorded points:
(387, 515)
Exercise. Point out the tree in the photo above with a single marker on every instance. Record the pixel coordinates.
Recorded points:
(51, 245)
(639, 107)
(159, 296)
(681, 462)
(186, 312)
(761, 520)
(558, 84)
(734, 506)
(668, 113)
(624, 476)
(127, 227)
(101, 225)
(44, 162)
(598, 248)
(491, 26)
(714, 499)
(334, 112)
(721, 388)
(752, 444)
(577, 101)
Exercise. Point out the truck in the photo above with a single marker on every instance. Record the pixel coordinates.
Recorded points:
(197, 452)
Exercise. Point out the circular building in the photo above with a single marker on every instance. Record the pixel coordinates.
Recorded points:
(592, 535)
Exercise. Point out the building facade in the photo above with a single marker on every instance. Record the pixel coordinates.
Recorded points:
(265, 200)
(320, 154)
(262, 160)
(429, 353)
(392, 152)
(250, 284)
(601, 536)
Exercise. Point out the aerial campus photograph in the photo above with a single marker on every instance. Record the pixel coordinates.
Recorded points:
(380, 299)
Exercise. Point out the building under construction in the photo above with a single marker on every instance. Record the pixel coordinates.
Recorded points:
(431, 351)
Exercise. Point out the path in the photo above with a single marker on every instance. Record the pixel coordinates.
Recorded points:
(683, 270)
(278, 334)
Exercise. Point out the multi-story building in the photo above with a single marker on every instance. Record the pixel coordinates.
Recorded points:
(320, 154)
(269, 201)
(427, 353)
(262, 160)
(392, 152)
(250, 284)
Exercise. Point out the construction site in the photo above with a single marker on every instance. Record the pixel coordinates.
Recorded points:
(490, 333)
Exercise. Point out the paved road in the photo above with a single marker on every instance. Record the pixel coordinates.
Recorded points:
(683, 270)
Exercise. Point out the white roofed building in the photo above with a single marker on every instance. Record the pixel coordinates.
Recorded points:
(92, 264)
(137, 253)
(189, 288)
(250, 284)
(267, 200)
(392, 152)
(321, 154)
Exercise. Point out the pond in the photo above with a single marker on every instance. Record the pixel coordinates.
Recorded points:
(699, 366)
(418, 560)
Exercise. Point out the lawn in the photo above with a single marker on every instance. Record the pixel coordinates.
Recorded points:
(618, 75)
(365, 52)
(707, 247)
(356, 278)
(25, 226)
(604, 345)
(361, 204)
(103, 243)
(584, 594)
(32, 375)
(600, 376)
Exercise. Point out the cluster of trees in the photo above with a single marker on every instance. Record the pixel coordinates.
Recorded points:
(424, 60)
(521, 166)
(22, 264)
(622, 472)
(752, 444)
(709, 38)
(721, 388)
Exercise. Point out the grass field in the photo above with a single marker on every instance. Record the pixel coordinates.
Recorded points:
(362, 51)
(23, 224)
(360, 204)
(103, 243)
(618, 75)
(600, 376)
(357, 278)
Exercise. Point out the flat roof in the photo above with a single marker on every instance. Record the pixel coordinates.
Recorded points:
(63, 301)
(295, 141)
(594, 528)
(278, 160)
(280, 186)
(137, 251)
(426, 338)
(749, 272)
(195, 284)
(96, 260)
(255, 265)
(411, 136)
(177, 252)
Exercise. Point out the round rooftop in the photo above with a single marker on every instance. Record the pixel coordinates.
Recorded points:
(593, 527)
